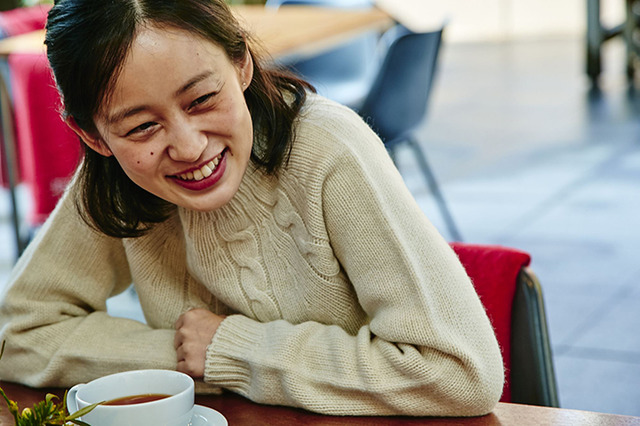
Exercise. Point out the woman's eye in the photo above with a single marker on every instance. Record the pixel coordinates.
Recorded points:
(141, 129)
(201, 100)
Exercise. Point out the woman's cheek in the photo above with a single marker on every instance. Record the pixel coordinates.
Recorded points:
(136, 162)
(144, 161)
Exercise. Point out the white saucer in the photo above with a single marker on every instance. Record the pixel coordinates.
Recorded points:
(205, 416)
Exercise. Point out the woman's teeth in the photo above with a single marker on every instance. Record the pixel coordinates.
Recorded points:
(204, 171)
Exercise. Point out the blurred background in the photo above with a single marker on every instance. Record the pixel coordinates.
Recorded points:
(533, 153)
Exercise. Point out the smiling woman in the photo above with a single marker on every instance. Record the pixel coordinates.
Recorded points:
(181, 97)
(274, 247)
(87, 74)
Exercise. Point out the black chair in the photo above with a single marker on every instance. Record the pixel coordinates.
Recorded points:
(397, 102)
(533, 379)
(512, 297)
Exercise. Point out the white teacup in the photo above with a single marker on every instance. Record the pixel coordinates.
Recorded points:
(174, 410)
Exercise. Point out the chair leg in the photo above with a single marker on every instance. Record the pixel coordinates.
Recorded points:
(435, 190)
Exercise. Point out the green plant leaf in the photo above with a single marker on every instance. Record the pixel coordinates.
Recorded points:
(81, 412)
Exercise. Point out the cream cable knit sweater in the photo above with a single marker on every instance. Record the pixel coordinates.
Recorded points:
(342, 297)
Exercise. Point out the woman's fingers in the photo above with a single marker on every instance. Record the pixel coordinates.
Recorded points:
(194, 331)
(190, 365)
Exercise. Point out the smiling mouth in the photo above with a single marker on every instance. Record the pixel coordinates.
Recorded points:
(204, 171)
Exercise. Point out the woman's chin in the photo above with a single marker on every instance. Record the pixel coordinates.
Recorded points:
(205, 203)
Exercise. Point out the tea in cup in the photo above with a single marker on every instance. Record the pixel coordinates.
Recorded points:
(136, 398)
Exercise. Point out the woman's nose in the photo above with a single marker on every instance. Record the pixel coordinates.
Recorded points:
(187, 144)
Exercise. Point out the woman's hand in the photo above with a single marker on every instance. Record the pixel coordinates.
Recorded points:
(194, 331)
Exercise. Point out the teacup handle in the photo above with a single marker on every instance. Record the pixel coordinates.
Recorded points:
(72, 403)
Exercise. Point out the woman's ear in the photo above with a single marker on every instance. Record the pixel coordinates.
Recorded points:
(94, 142)
(246, 70)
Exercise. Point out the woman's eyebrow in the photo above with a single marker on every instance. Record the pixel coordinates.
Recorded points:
(125, 113)
(195, 80)
(128, 112)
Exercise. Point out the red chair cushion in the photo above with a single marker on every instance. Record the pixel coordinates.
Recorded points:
(494, 271)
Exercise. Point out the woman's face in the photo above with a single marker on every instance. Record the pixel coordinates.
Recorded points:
(177, 121)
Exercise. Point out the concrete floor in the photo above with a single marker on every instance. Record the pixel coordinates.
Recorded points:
(528, 158)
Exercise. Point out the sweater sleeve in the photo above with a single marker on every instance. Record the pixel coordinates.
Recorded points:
(53, 311)
(428, 348)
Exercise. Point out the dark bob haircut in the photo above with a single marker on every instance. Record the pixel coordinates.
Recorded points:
(87, 43)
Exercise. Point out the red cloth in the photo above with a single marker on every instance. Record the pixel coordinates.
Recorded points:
(48, 151)
(494, 271)
(24, 19)
(12, 23)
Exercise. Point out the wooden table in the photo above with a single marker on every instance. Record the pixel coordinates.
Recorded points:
(286, 31)
(307, 30)
(417, 15)
(240, 411)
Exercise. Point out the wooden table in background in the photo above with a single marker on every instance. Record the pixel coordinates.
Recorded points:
(307, 30)
(282, 32)
(240, 411)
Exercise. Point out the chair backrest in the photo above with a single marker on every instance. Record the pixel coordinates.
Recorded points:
(512, 298)
(345, 72)
(397, 101)
(532, 374)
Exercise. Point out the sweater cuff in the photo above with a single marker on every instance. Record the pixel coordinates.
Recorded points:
(227, 363)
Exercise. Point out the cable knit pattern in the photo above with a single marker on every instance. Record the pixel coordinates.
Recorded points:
(341, 296)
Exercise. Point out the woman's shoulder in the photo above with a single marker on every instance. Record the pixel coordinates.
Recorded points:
(321, 113)
(327, 130)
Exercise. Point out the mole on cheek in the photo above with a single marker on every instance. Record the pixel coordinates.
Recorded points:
(151, 153)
